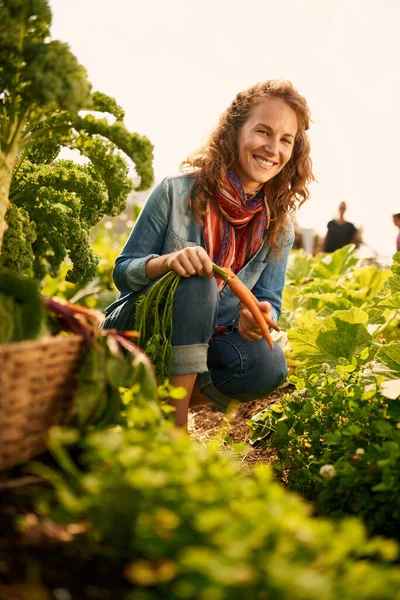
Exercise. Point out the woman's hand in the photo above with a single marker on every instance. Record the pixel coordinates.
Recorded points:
(193, 260)
(247, 327)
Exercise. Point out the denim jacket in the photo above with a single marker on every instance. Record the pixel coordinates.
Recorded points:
(166, 225)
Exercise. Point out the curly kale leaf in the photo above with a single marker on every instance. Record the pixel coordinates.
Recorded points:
(136, 146)
(17, 254)
(63, 201)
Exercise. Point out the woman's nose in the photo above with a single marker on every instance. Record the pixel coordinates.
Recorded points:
(271, 145)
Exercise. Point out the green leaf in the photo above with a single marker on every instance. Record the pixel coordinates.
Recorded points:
(392, 301)
(344, 333)
(338, 263)
(371, 280)
(339, 336)
(26, 306)
(375, 316)
(299, 267)
(388, 361)
(177, 392)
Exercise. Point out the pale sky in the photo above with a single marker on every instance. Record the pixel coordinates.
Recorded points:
(175, 65)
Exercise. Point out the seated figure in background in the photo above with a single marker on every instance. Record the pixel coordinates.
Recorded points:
(340, 232)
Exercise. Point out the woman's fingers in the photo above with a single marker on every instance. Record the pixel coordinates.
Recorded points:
(206, 262)
(192, 261)
(248, 327)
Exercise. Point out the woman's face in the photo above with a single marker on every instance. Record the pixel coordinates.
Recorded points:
(265, 142)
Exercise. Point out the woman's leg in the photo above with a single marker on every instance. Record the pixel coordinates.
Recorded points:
(241, 370)
(182, 405)
(194, 319)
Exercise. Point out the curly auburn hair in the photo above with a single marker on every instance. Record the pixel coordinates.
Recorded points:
(287, 190)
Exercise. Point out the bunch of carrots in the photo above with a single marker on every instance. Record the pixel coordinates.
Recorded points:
(154, 316)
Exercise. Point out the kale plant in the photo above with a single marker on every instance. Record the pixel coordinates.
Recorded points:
(47, 207)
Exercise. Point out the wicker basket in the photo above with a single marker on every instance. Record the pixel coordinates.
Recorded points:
(37, 381)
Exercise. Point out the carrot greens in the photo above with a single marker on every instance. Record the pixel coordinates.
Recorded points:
(153, 319)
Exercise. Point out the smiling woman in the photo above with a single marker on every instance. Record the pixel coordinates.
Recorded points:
(230, 206)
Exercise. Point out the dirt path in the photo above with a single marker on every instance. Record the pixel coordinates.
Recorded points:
(206, 422)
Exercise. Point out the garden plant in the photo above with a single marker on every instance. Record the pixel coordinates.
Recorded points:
(48, 206)
(338, 434)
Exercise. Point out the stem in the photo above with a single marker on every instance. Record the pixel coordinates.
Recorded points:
(6, 162)
(17, 129)
(224, 274)
(36, 135)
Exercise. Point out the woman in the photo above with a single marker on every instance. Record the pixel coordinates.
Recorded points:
(231, 206)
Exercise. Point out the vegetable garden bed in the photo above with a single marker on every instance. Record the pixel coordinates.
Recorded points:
(48, 556)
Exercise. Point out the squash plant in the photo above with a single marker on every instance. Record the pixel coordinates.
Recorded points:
(338, 435)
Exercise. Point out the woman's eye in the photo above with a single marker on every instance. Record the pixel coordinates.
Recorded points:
(286, 141)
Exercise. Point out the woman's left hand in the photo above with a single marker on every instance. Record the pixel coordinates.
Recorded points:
(247, 327)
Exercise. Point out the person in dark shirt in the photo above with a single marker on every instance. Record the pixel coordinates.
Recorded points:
(340, 232)
(396, 221)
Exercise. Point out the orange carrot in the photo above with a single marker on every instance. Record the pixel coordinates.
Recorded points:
(249, 300)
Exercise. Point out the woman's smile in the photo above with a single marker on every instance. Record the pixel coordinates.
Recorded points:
(265, 163)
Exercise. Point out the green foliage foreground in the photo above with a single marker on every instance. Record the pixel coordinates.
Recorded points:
(184, 523)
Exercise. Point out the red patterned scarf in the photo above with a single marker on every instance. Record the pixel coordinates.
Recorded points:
(235, 224)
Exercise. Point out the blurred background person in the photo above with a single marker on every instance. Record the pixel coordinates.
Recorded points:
(396, 221)
(340, 232)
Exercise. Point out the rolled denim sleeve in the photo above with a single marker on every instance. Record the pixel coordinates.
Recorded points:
(145, 241)
(272, 279)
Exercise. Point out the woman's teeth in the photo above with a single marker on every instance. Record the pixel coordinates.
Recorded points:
(265, 163)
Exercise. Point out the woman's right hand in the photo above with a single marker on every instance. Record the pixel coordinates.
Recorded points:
(189, 261)
(192, 260)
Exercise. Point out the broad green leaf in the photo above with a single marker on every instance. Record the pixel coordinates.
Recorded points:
(319, 286)
(303, 341)
(330, 302)
(375, 316)
(338, 336)
(392, 301)
(355, 315)
(339, 262)
(371, 279)
(291, 298)
(26, 304)
(388, 361)
(299, 266)
(394, 283)
(344, 333)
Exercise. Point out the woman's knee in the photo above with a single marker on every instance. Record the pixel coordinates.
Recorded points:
(195, 310)
(269, 369)
(197, 290)
(261, 371)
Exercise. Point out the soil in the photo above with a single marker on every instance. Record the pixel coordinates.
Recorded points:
(41, 562)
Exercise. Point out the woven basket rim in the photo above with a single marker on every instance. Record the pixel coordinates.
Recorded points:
(44, 340)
